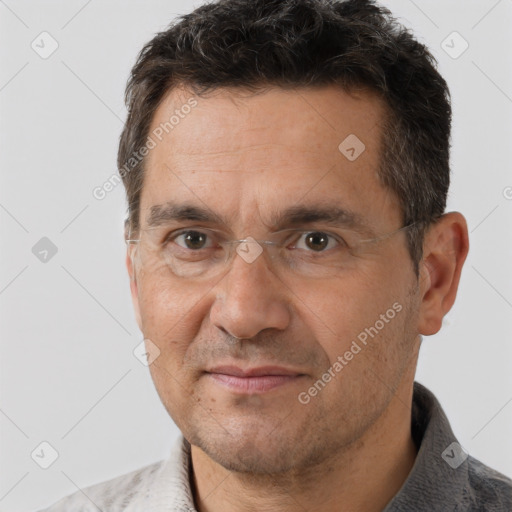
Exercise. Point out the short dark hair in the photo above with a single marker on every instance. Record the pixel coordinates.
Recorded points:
(254, 44)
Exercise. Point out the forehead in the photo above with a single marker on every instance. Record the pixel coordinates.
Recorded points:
(240, 154)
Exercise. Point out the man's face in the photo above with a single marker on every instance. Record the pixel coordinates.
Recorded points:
(247, 160)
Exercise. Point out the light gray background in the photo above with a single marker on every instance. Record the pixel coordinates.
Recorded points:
(68, 375)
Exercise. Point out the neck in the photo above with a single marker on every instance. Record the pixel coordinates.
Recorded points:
(363, 477)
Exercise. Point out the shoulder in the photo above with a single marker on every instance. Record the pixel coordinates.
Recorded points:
(118, 494)
(487, 489)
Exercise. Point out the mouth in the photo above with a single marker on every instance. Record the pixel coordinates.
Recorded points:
(253, 380)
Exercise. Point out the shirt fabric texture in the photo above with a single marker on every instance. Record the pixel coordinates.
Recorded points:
(438, 481)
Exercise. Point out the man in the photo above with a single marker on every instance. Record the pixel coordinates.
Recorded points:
(286, 166)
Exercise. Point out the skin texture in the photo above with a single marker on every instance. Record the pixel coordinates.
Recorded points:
(244, 156)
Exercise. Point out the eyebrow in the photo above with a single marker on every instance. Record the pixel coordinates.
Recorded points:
(293, 216)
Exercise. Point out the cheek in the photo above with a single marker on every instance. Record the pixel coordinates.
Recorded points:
(163, 302)
(339, 310)
(168, 316)
(366, 331)
(170, 320)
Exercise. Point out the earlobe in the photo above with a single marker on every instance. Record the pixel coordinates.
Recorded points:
(445, 249)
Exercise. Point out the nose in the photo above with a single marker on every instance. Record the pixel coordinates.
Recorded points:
(250, 298)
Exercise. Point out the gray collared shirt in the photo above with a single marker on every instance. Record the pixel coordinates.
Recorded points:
(443, 478)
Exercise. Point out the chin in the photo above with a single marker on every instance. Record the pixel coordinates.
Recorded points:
(249, 455)
(260, 448)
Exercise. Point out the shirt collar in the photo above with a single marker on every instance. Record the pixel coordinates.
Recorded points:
(440, 472)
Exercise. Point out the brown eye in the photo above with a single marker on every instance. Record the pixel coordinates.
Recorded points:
(316, 241)
(193, 240)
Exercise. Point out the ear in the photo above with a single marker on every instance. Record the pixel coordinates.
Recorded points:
(445, 248)
(131, 251)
